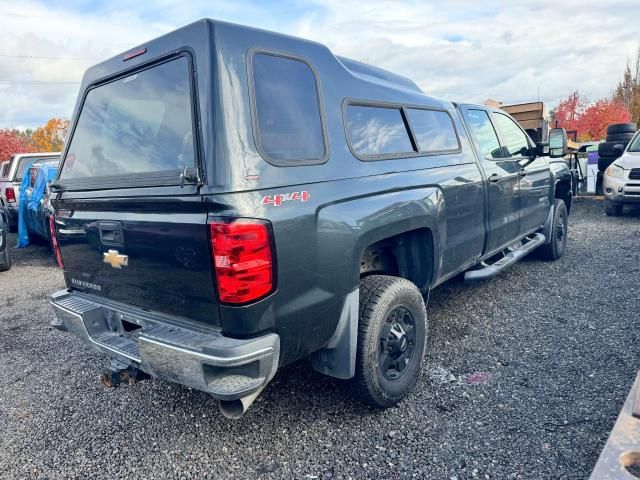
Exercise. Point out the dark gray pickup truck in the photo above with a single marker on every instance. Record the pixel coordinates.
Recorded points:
(232, 200)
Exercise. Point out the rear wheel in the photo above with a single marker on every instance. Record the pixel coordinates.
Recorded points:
(392, 334)
(612, 209)
(555, 248)
(6, 264)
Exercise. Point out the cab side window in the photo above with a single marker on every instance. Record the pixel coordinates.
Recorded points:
(485, 134)
(515, 140)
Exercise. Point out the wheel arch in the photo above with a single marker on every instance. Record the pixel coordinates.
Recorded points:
(563, 191)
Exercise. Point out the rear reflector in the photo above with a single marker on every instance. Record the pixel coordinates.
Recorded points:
(54, 241)
(10, 194)
(242, 259)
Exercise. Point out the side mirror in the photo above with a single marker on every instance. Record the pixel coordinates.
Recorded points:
(542, 149)
(618, 149)
(557, 142)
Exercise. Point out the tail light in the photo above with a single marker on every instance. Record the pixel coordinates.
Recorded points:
(54, 241)
(10, 194)
(242, 258)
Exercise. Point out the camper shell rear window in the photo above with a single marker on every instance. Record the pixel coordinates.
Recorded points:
(135, 130)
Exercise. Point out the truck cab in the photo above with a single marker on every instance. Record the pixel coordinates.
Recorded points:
(231, 200)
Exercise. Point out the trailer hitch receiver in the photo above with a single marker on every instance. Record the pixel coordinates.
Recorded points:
(123, 373)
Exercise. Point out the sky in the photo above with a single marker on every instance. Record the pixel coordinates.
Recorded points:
(511, 50)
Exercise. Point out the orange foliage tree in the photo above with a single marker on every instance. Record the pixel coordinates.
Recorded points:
(589, 120)
(11, 141)
(568, 112)
(50, 137)
(596, 117)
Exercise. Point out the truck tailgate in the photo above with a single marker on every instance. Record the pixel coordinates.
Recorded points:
(149, 253)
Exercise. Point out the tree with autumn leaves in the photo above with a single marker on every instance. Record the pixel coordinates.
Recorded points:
(589, 120)
(11, 141)
(48, 138)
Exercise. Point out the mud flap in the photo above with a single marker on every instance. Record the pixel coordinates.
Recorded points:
(338, 358)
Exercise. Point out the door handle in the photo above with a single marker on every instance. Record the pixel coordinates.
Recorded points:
(110, 233)
(495, 178)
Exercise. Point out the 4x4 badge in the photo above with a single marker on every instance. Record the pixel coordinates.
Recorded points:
(113, 258)
(279, 198)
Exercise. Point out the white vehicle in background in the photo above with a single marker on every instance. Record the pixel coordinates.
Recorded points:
(11, 173)
(621, 180)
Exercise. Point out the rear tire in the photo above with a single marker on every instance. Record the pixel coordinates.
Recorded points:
(555, 248)
(392, 333)
(612, 209)
(6, 265)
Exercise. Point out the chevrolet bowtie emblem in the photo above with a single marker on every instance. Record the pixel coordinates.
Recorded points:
(113, 258)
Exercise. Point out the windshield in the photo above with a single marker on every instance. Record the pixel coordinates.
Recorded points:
(141, 123)
(635, 144)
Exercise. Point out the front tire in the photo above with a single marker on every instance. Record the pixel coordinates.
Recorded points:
(612, 209)
(555, 248)
(392, 333)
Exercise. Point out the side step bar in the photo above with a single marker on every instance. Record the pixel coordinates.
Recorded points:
(489, 271)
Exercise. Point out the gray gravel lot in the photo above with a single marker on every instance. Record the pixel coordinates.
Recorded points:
(526, 375)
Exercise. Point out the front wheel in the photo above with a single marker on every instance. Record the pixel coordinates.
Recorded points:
(612, 209)
(559, 228)
(392, 333)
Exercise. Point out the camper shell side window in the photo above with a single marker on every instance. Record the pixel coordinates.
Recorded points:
(286, 109)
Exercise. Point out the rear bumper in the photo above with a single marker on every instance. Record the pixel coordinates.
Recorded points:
(170, 348)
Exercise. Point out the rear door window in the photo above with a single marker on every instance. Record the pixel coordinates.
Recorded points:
(139, 125)
(288, 121)
(378, 131)
(434, 130)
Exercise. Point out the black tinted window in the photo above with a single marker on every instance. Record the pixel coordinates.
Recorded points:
(141, 123)
(377, 131)
(485, 133)
(287, 109)
(515, 139)
(433, 129)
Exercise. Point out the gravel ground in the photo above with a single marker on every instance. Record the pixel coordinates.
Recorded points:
(526, 375)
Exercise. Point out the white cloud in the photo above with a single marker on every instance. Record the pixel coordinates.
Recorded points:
(458, 50)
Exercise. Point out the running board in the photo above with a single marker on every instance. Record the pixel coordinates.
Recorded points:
(489, 271)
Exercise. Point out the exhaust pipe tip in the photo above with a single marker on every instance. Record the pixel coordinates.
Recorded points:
(232, 409)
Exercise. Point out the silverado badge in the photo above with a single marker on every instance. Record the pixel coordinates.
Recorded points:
(113, 258)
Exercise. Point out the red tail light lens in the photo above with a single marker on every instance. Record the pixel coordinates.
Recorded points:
(10, 194)
(54, 241)
(242, 258)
